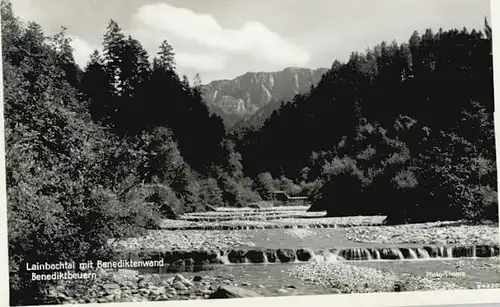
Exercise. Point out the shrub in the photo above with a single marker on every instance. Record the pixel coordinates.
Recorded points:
(264, 185)
(238, 192)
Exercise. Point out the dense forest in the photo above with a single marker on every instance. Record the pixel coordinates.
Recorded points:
(109, 149)
(404, 130)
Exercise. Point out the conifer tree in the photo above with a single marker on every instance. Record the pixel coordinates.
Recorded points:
(97, 89)
(114, 44)
(166, 56)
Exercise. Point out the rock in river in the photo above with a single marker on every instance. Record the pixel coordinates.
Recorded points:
(227, 291)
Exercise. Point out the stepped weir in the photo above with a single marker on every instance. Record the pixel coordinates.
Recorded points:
(286, 255)
(293, 250)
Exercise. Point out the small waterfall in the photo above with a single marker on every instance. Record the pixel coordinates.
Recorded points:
(413, 254)
(368, 255)
(441, 252)
(377, 254)
(223, 258)
(266, 261)
(362, 254)
(422, 253)
(392, 254)
(335, 256)
(328, 257)
(274, 255)
(493, 252)
(315, 257)
(449, 252)
(296, 257)
(357, 254)
(398, 252)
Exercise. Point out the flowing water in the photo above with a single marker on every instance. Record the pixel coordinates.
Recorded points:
(298, 255)
(263, 266)
(273, 279)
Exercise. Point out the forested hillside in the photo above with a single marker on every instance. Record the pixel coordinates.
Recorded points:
(403, 127)
(103, 151)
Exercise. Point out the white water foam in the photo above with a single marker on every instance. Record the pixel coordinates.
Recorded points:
(413, 254)
(423, 254)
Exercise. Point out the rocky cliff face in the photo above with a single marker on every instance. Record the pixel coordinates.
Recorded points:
(237, 99)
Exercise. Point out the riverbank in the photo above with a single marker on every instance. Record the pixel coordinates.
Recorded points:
(425, 233)
(422, 234)
(276, 280)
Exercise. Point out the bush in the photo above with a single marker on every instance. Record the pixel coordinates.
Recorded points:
(210, 194)
(238, 192)
(264, 185)
(288, 186)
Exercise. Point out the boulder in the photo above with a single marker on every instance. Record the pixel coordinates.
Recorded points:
(111, 286)
(179, 286)
(228, 291)
(127, 272)
(183, 280)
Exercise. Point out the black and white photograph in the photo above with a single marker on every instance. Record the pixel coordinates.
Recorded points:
(168, 150)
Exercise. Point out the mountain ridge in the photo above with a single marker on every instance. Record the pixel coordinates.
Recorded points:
(235, 100)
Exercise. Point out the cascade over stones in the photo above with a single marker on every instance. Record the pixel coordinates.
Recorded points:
(288, 255)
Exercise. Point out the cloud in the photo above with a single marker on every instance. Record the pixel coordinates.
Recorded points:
(200, 61)
(81, 50)
(24, 9)
(253, 38)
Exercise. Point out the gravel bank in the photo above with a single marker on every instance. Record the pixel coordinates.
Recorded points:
(273, 208)
(491, 266)
(354, 279)
(348, 221)
(130, 286)
(185, 240)
(425, 234)
(300, 213)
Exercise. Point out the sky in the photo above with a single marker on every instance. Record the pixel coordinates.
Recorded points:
(221, 39)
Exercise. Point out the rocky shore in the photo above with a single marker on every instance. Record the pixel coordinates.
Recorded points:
(493, 265)
(130, 286)
(345, 278)
(287, 222)
(185, 240)
(425, 234)
(326, 278)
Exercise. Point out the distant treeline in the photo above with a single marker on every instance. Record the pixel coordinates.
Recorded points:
(109, 149)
